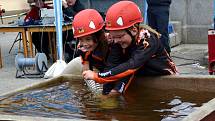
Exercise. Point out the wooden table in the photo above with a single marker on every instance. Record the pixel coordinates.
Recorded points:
(45, 28)
(32, 28)
(15, 28)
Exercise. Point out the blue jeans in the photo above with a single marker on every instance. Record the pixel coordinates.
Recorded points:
(158, 19)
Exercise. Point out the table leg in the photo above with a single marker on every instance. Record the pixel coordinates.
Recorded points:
(24, 39)
(54, 50)
(30, 44)
(50, 44)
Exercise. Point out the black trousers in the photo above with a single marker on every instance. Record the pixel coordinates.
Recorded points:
(158, 19)
(41, 42)
(69, 43)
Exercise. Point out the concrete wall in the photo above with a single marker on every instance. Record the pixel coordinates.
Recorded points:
(196, 17)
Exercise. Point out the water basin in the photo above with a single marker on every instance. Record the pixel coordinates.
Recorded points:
(72, 100)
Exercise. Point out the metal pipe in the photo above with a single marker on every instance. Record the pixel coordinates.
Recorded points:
(145, 11)
(58, 23)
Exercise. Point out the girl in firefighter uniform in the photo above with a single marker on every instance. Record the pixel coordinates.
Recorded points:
(141, 49)
(92, 47)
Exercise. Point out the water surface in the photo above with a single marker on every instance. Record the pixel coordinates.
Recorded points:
(74, 101)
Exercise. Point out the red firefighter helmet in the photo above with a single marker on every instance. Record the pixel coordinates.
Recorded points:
(123, 15)
(86, 22)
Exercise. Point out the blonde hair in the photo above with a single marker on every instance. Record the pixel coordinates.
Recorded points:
(144, 26)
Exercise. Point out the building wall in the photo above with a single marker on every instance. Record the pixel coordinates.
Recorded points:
(196, 17)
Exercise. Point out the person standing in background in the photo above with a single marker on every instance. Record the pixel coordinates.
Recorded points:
(34, 13)
(140, 50)
(70, 9)
(158, 19)
(39, 39)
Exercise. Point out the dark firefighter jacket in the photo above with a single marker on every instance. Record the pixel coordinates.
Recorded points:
(71, 11)
(96, 58)
(147, 57)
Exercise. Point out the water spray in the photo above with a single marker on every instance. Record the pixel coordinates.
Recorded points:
(94, 87)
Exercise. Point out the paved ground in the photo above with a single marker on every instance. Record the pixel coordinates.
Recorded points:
(189, 59)
(8, 82)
